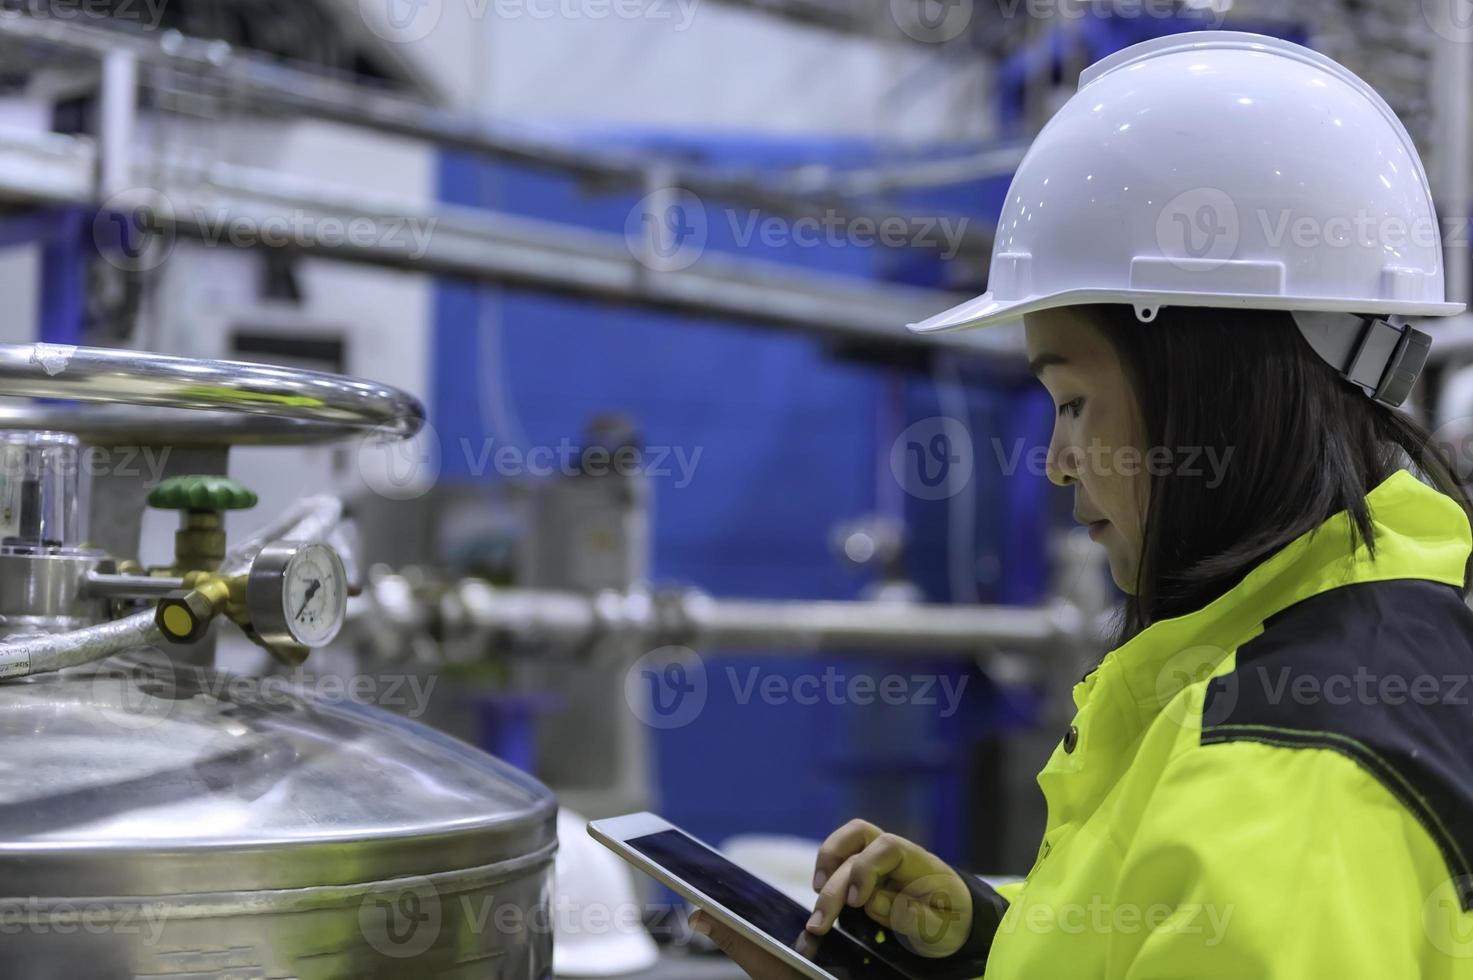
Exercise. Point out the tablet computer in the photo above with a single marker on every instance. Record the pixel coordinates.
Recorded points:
(857, 948)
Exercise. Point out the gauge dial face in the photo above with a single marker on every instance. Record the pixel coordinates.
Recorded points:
(314, 595)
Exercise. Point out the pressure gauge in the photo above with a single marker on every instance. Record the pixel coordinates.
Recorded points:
(297, 594)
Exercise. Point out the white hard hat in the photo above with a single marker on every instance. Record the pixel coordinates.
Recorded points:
(1224, 169)
(597, 927)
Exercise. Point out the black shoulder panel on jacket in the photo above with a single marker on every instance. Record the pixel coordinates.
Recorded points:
(1380, 672)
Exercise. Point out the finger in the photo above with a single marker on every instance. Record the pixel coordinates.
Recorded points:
(885, 856)
(753, 959)
(933, 923)
(842, 844)
(880, 905)
(830, 901)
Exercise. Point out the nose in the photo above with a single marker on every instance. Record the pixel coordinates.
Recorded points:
(1063, 461)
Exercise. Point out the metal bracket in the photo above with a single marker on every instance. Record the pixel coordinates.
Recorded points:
(1382, 355)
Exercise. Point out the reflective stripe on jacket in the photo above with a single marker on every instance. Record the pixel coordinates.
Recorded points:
(1278, 785)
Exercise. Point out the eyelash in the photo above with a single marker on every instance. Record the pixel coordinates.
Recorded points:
(1072, 407)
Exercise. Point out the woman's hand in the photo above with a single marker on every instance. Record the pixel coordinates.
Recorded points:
(756, 961)
(900, 885)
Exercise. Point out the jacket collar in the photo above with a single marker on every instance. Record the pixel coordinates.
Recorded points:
(1420, 534)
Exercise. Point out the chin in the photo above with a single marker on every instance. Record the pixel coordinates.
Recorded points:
(1124, 578)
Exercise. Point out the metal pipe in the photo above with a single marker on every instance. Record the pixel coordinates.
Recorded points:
(486, 246)
(29, 655)
(476, 244)
(1453, 71)
(128, 425)
(259, 83)
(568, 620)
(311, 519)
(562, 620)
(890, 627)
(119, 118)
(105, 586)
(104, 375)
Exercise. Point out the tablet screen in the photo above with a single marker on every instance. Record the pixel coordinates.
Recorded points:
(856, 953)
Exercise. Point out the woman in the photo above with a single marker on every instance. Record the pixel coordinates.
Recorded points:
(1271, 774)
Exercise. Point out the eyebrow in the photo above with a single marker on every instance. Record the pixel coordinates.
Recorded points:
(1046, 359)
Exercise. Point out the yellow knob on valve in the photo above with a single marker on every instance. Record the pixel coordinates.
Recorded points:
(187, 619)
(175, 620)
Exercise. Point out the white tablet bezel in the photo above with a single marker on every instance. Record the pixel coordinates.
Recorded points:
(615, 833)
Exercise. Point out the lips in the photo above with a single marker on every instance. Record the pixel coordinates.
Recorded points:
(1097, 527)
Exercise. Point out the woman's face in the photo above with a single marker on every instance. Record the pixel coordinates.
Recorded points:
(1098, 438)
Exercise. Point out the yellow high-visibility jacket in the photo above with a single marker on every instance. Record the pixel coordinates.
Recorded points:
(1278, 785)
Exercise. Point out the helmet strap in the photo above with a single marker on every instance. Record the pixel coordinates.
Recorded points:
(1381, 354)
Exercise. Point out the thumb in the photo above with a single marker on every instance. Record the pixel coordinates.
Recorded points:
(755, 961)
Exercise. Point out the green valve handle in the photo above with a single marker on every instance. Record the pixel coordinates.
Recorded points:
(201, 493)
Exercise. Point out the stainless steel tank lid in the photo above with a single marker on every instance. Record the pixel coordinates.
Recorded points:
(138, 777)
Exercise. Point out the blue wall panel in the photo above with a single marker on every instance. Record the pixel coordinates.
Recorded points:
(791, 442)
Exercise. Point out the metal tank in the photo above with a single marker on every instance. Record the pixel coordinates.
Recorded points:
(161, 818)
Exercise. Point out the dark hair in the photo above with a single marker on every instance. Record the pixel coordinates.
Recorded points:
(1306, 444)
